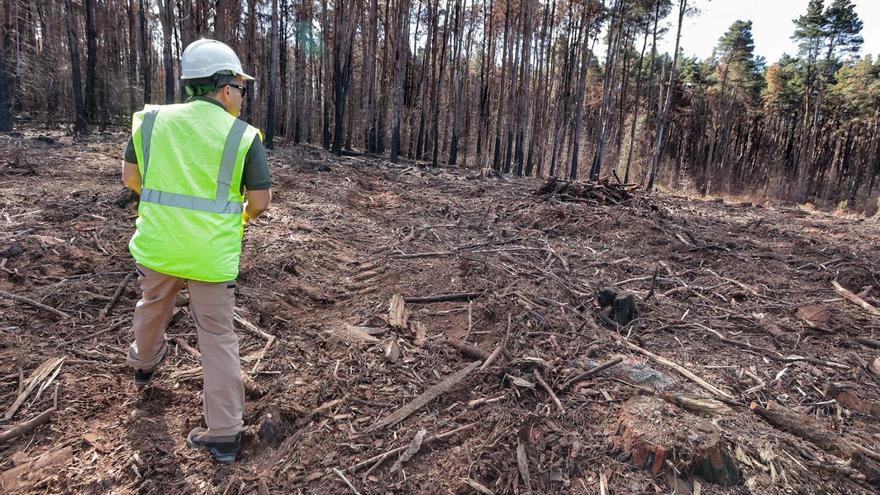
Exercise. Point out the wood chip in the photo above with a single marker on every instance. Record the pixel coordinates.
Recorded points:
(412, 449)
(522, 463)
(34, 380)
(398, 314)
(420, 331)
(351, 333)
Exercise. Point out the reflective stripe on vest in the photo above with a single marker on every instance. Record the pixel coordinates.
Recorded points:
(220, 203)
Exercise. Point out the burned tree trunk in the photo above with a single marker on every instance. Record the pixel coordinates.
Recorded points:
(664, 115)
(400, 55)
(146, 71)
(91, 59)
(635, 115)
(79, 125)
(166, 14)
(132, 58)
(371, 133)
(273, 79)
(342, 53)
(5, 114)
(579, 99)
(435, 152)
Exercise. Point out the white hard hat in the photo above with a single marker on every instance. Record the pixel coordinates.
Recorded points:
(204, 58)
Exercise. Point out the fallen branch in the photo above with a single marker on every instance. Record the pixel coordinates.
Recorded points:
(186, 347)
(549, 391)
(115, 297)
(263, 354)
(492, 357)
(469, 350)
(385, 455)
(112, 327)
(858, 301)
(412, 449)
(464, 296)
(477, 486)
(26, 426)
(250, 327)
(681, 369)
(586, 374)
(341, 476)
(427, 396)
(33, 303)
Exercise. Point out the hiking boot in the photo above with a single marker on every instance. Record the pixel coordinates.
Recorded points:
(143, 378)
(223, 448)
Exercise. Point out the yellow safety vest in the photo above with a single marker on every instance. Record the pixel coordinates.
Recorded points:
(191, 157)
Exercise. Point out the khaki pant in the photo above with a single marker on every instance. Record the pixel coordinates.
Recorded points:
(212, 307)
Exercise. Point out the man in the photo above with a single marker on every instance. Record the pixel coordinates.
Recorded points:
(192, 164)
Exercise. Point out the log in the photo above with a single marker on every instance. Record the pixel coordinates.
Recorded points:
(427, 396)
(23, 476)
(846, 395)
(464, 296)
(26, 426)
(674, 437)
(858, 301)
(698, 404)
(806, 428)
(869, 342)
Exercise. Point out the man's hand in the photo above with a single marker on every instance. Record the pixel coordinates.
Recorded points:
(131, 176)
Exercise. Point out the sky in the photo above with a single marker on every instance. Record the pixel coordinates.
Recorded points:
(772, 25)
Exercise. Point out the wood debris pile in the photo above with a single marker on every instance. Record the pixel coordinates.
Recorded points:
(603, 192)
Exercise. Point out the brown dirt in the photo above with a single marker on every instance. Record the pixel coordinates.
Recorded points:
(326, 255)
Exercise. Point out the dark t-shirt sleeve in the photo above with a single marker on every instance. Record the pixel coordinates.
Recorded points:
(256, 174)
(130, 155)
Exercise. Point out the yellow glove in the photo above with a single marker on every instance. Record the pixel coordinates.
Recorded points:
(244, 217)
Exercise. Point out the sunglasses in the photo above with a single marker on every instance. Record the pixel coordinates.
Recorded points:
(243, 89)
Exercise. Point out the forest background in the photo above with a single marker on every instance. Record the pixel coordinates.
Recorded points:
(575, 89)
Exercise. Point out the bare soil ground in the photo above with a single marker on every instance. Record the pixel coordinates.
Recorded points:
(737, 296)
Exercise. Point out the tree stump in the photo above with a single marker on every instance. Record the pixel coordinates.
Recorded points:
(651, 432)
